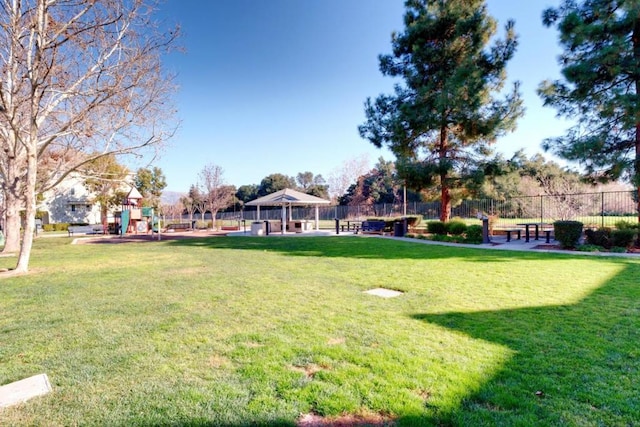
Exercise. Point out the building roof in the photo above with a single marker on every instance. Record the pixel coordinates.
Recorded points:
(288, 197)
(134, 194)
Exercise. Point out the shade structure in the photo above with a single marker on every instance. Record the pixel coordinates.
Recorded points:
(288, 198)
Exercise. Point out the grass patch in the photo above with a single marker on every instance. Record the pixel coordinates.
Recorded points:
(256, 331)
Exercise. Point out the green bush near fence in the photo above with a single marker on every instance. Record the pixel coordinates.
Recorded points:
(59, 226)
(600, 237)
(623, 238)
(456, 227)
(436, 227)
(474, 234)
(626, 225)
(568, 233)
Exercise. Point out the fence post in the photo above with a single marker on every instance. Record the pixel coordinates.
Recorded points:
(541, 209)
(602, 208)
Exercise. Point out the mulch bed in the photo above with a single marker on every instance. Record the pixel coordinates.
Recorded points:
(549, 247)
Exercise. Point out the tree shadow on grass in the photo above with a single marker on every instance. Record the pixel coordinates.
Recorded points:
(572, 364)
(354, 247)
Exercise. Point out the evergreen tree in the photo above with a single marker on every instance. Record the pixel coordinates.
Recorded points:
(600, 86)
(275, 182)
(150, 183)
(247, 193)
(445, 116)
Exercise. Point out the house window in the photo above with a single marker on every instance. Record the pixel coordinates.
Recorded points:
(73, 208)
(88, 207)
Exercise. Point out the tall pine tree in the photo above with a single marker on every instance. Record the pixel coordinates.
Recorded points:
(444, 117)
(600, 86)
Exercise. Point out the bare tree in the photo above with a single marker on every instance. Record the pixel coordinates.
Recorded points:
(342, 177)
(189, 205)
(77, 77)
(216, 194)
(173, 210)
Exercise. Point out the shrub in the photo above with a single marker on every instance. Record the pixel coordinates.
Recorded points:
(474, 234)
(626, 225)
(437, 237)
(623, 237)
(589, 248)
(48, 227)
(618, 249)
(568, 233)
(436, 227)
(410, 235)
(61, 226)
(599, 237)
(456, 227)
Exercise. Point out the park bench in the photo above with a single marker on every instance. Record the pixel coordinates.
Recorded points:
(373, 227)
(85, 229)
(180, 226)
(509, 231)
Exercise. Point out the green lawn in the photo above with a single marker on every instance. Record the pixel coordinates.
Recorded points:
(238, 331)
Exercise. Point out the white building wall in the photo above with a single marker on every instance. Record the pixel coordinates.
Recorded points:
(70, 202)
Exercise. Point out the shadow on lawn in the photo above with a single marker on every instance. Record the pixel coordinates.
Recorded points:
(572, 365)
(353, 247)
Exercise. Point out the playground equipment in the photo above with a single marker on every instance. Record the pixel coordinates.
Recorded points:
(133, 219)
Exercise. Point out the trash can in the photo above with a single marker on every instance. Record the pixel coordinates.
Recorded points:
(257, 228)
(398, 229)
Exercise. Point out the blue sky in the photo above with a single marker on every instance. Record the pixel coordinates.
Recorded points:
(278, 86)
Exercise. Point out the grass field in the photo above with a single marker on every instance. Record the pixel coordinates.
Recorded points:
(241, 331)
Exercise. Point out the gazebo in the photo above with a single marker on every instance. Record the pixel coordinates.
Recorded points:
(288, 198)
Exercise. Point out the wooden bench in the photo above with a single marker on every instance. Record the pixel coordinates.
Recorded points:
(180, 226)
(373, 227)
(85, 229)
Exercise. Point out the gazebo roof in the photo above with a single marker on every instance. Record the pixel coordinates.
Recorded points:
(288, 197)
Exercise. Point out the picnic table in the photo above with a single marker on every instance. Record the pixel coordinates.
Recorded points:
(352, 225)
(537, 226)
(373, 227)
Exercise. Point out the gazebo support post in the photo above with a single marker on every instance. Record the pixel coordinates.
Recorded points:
(317, 218)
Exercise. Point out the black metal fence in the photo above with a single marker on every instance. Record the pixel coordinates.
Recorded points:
(593, 209)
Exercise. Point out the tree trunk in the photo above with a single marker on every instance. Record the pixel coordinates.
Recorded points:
(30, 209)
(445, 195)
(12, 194)
(214, 213)
(445, 199)
(104, 218)
(637, 172)
(12, 225)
